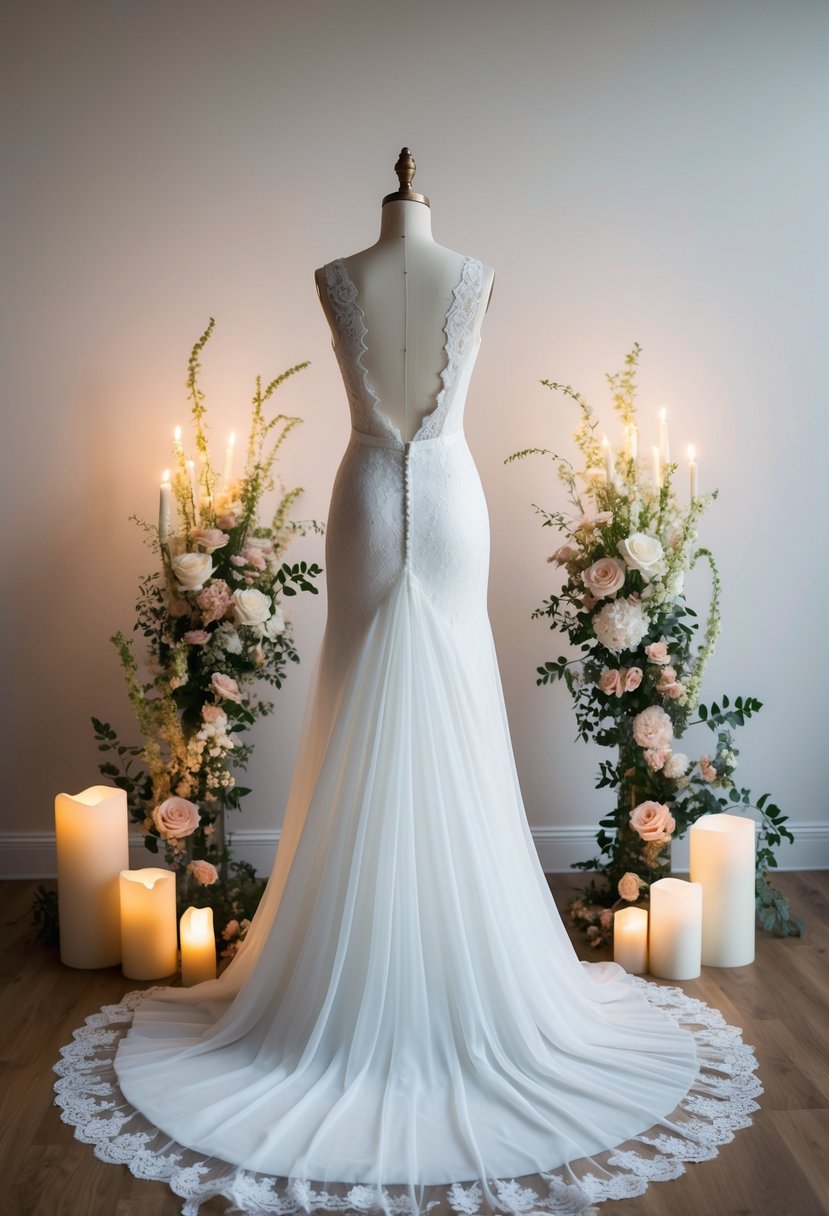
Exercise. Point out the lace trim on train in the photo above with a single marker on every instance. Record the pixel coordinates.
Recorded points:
(720, 1101)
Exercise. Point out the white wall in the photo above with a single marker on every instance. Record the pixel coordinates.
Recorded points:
(651, 172)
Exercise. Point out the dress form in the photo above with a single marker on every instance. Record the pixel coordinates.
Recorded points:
(405, 283)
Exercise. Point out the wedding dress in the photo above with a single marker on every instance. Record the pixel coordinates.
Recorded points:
(407, 1026)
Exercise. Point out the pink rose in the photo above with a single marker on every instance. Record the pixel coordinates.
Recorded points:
(176, 817)
(653, 822)
(609, 682)
(706, 769)
(605, 577)
(209, 539)
(179, 608)
(196, 637)
(226, 521)
(204, 872)
(214, 601)
(567, 553)
(628, 886)
(668, 685)
(655, 757)
(230, 930)
(657, 652)
(633, 678)
(214, 714)
(225, 686)
(652, 728)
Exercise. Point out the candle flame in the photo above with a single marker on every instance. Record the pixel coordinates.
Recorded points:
(191, 464)
(165, 477)
(177, 434)
(605, 441)
(663, 414)
(231, 439)
(692, 453)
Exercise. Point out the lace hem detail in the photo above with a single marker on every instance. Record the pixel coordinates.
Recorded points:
(719, 1103)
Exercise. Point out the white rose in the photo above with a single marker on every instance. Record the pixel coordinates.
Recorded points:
(642, 552)
(251, 607)
(276, 623)
(192, 570)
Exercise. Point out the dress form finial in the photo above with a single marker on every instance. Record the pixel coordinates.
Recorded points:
(405, 170)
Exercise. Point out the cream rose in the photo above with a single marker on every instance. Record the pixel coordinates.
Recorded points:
(652, 728)
(632, 678)
(652, 821)
(176, 817)
(225, 686)
(196, 637)
(251, 607)
(643, 553)
(192, 570)
(604, 578)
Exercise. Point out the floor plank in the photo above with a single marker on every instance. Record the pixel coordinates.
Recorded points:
(775, 1168)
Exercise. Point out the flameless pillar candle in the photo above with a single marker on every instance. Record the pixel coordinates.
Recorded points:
(723, 862)
(91, 833)
(198, 946)
(148, 923)
(675, 938)
(630, 939)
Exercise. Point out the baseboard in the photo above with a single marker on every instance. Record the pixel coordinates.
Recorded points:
(32, 854)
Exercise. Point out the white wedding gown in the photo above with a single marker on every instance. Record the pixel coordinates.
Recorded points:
(407, 1024)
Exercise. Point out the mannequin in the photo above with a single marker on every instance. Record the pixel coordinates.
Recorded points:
(405, 283)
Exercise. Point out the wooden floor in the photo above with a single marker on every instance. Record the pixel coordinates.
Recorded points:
(778, 1167)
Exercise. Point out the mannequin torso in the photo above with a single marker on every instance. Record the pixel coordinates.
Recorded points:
(405, 285)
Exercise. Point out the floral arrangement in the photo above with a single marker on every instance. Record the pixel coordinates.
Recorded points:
(641, 654)
(214, 628)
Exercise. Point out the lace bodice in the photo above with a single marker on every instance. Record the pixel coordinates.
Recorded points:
(460, 349)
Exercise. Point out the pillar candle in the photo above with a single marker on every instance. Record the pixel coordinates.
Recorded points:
(91, 834)
(231, 445)
(198, 946)
(608, 461)
(723, 860)
(657, 468)
(664, 443)
(630, 939)
(675, 937)
(148, 923)
(165, 506)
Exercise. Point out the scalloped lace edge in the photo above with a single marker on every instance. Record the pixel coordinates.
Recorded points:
(720, 1101)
